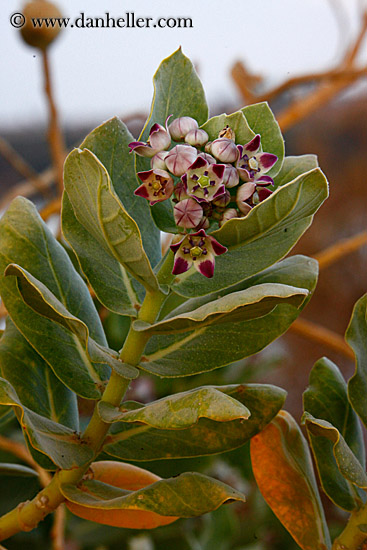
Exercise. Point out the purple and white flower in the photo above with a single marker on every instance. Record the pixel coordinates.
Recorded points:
(224, 150)
(197, 137)
(252, 165)
(198, 249)
(204, 181)
(157, 185)
(180, 158)
(188, 213)
(181, 126)
(159, 140)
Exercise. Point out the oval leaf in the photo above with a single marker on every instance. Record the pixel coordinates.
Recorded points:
(187, 495)
(236, 121)
(251, 303)
(58, 442)
(99, 210)
(334, 442)
(27, 241)
(17, 470)
(356, 336)
(141, 442)
(283, 471)
(261, 238)
(293, 167)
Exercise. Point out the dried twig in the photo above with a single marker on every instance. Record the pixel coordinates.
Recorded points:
(51, 208)
(340, 249)
(19, 450)
(322, 335)
(27, 188)
(55, 137)
(58, 529)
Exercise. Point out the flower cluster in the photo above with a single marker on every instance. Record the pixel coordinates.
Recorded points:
(210, 182)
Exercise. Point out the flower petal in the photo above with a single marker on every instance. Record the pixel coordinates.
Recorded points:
(181, 264)
(218, 248)
(253, 145)
(205, 266)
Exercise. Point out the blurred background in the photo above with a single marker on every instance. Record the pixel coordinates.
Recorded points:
(309, 60)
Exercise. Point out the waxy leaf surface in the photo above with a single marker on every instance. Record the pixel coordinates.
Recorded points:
(261, 238)
(236, 121)
(16, 470)
(215, 346)
(59, 443)
(100, 211)
(212, 433)
(187, 495)
(261, 120)
(283, 470)
(34, 381)
(179, 411)
(293, 167)
(356, 336)
(110, 143)
(238, 306)
(27, 241)
(39, 298)
(335, 434)
(109, 280)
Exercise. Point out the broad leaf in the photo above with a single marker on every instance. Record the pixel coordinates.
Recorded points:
(335, 434)
(110, 143)
(215, 346)
(261, 120)
(236, 121)
(99, 210)
(59, 443)
(283, 470)
(27, 241)
(105, 274)
(35, 383)
(187, 495)
(6, 416)
(41, 300)
(17, 470)
(293, 167)
(356, 336)
(251, 303)
(179, 411)
(177, 92)
(215, 433)
(261, 238)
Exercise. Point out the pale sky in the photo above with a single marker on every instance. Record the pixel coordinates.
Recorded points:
(99, 73)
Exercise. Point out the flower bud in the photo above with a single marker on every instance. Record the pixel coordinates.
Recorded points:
(182, 126)
(228, 215)
(158, 160)
(180, 191)
(208, 158)
(188, 213)
(204, 223)
(230, 177)
(196, 138)
(159, 137)
(224, 150)
(228, 133)
(208, 147)
(223, 200)
(180, 158)
(245, 192)
(39, 37)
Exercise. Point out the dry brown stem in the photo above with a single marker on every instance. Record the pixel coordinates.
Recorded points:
(340, 249)
(58, 529)
(19, 450)
(322, 335)
(55, 136)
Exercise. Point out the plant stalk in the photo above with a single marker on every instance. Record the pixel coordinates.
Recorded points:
(354, 536)
(26, 516)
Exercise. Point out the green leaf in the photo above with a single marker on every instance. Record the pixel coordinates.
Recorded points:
(179, 411)
(61, 444)
(6, 415)
(283, 470)
(177, 91)
(143, 442)
(335, 434)
(105, 274)
(35, 383)
(293, 167)
(17, 470)
(261, 238)
(110, 143)
(41, 300)
(236, 121)
(216, 346)
(356, 336)
(27, 241)
(99, 210)
(187, 495)
(261, 120)
(246, 304)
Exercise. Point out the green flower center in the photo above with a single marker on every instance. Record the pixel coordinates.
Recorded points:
(195, 252)
(156, 184)
(253, 164)
(203, 181)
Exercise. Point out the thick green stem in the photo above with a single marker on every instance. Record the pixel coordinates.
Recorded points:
(27, 515)
(354, 536)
